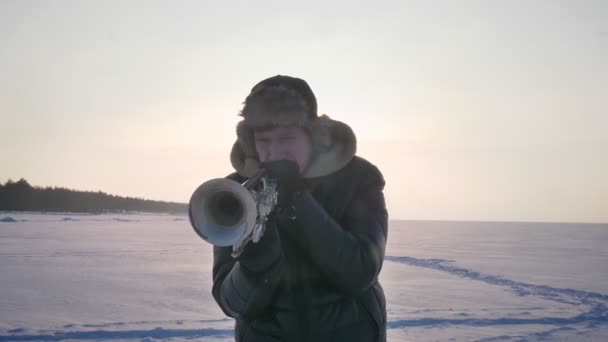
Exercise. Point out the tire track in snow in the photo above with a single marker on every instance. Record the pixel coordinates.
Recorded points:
(597, 314)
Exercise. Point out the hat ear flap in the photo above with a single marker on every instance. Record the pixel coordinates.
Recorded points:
(321, 133)
(245, 166)
(245, 140)
(243, 155)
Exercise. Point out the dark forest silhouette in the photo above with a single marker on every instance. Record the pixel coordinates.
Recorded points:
(21, 196)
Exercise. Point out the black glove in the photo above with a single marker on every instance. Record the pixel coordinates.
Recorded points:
(289, 181)
(261, 256)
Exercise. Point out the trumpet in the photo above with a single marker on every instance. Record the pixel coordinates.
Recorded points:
(225, 213)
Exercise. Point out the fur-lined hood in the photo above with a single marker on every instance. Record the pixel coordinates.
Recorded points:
(334, 145)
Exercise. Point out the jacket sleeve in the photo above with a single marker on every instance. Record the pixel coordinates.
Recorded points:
(349, 255)
(243, 287)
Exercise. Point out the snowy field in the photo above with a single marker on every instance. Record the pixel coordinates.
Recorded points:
(148, 278)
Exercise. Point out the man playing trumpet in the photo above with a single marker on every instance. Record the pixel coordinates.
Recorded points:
(313, 274)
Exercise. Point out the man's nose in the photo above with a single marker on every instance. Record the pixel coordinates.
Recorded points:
(276, 152)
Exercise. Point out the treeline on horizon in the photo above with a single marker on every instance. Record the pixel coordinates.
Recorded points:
(21, 196)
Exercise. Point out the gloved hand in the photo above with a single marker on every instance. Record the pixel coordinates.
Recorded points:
(289, 180)
(260, 257)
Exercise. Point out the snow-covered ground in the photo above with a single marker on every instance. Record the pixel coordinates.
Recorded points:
(148, 277)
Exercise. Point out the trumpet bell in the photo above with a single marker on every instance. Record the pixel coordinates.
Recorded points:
(222, 211)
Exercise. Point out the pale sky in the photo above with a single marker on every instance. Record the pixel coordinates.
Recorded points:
(473, 110)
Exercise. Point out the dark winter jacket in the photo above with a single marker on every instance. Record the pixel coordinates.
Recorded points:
(315, 277)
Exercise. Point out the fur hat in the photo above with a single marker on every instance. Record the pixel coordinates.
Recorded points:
(288, 101)
(280, 100)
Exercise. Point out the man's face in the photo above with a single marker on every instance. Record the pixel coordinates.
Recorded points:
(284, 142)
